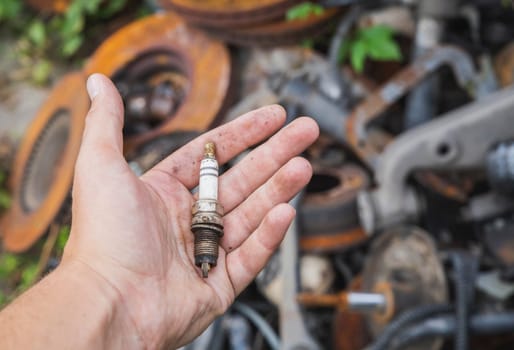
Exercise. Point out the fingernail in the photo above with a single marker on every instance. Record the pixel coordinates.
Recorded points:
(93, 85)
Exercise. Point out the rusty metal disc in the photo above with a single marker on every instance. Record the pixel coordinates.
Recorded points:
(277, 33)
(228, 13)
(157, 46)
(328, 215)
(43, 168)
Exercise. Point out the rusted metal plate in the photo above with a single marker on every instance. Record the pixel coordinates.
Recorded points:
(204, 62)
(44, 164)
(229, 13)
(281, 32)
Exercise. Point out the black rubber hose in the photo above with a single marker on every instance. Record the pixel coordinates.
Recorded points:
(465, 268)
(446, 326)
(408, 318)
(500, 168)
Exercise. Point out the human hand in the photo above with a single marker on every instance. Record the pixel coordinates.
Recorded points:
(134, 233)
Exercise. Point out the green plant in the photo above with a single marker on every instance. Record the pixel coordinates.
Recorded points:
(5, 197)
(62, 238)
(44, 39)
(376, 43)
(304, 10)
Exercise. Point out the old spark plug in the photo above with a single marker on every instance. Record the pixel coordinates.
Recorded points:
(207, 223)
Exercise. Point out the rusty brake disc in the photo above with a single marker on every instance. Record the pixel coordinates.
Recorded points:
(44, 164)
(228, 13)
(328, 214)
(161, 48)
(276, 33)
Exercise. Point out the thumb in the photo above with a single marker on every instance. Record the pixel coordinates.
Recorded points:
(102, 140)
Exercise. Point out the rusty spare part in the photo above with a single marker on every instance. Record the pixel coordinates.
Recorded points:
(228, 13)
(352, 301)
(458, 140)
(44, 164)
(328, 215)
(349, 328)
(57, 6)
(404, 260)
(183, 74)
(207, 221)
(277, 33)
(359, 120)
(504, 65)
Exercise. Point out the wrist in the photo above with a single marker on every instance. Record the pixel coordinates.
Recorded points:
(104, 315)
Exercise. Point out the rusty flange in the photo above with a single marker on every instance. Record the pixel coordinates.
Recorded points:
(44, 164)
(328, 215)
(276, 33)
(165, 42)
(228, 13)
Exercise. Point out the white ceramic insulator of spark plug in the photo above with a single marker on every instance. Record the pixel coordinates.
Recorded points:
(208, 187)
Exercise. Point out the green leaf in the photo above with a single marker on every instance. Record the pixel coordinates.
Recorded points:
(28, 276)
(304, 10)
(62, 238)
(41, 72)
(71, 46)
(37, 33)
(378, 32)
(91, 6)
(358, 56)
(111, 7)
(10, 9)
(3, 176)
(386, 50)
(5, 199)
(8, 264)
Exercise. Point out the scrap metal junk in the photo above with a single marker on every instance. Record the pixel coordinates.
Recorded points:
(180, 75)
(403, 238)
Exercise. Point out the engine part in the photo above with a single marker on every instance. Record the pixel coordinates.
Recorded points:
(277, 33)
(500, 169)
(460, 139)
(261, 324)
(446, 326)
(497, 238)
(504, 65)
(316, 275)
(406, 261)
(353, 301)
(228, 13)
(328, 216)
(292, 327)
(159, 49)
(357, 123)
(207, 222)
(44, 164)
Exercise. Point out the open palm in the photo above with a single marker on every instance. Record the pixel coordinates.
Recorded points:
(135, 232)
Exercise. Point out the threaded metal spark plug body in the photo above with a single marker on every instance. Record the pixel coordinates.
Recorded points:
(207, 222)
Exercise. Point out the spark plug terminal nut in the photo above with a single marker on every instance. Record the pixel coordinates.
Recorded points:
(207, 221)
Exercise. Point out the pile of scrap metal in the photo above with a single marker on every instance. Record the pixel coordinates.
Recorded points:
(402, 238)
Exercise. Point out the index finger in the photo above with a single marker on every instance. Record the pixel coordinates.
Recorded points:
(230, 139)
